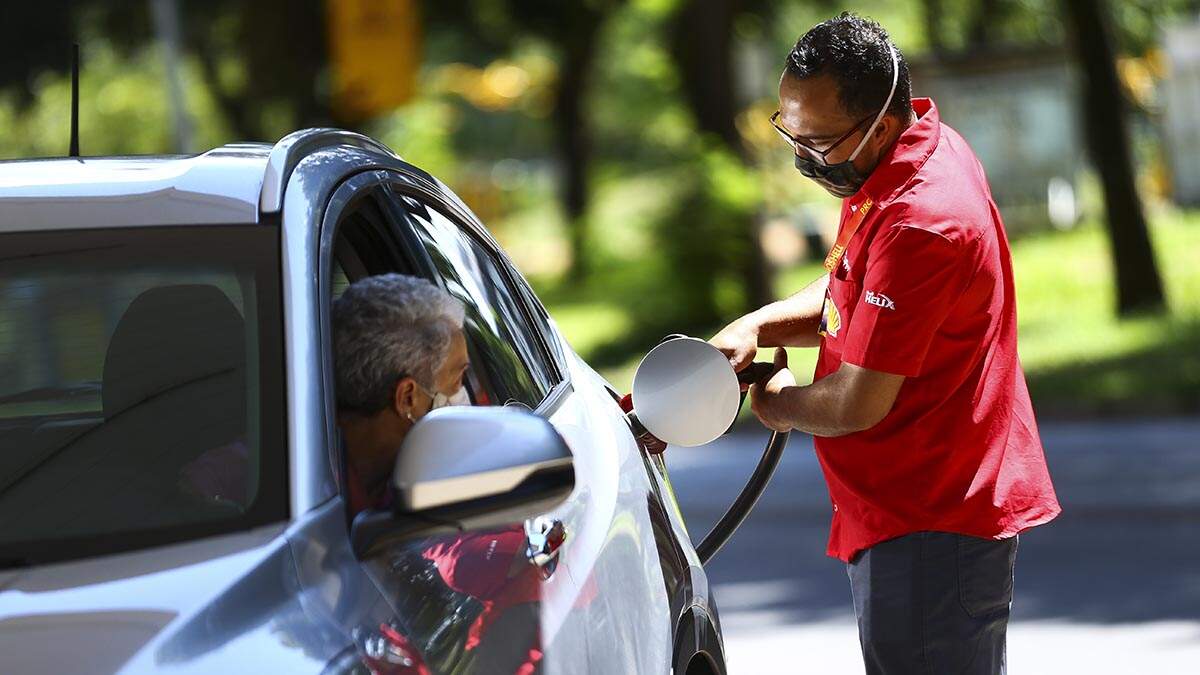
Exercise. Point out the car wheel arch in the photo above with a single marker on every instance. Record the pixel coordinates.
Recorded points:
(698, 647)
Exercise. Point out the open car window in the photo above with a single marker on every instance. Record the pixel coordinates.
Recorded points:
(141, 397)
(506, 357)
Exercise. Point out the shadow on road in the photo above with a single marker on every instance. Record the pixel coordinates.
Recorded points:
(1126, 549)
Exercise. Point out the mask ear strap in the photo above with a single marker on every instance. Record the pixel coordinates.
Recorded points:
(427, 394)
(884, 109)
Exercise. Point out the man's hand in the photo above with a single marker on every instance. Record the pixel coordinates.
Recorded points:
(767, 397)
(791, 322)
(738, 342)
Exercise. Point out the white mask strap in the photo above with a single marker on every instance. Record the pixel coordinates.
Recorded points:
(884, 109)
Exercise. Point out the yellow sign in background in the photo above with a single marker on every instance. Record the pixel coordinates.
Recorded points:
(375, 51)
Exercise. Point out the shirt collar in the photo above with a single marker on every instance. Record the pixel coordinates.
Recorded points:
(905, 157)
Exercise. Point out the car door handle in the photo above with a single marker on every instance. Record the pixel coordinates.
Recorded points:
(544, 538)
(387, 650)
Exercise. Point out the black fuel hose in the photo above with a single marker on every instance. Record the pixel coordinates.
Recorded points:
(720, 533)
(741, 507)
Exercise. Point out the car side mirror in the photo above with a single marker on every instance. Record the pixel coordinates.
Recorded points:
(465, 467)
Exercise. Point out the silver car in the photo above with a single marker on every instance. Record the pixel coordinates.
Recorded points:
(171, 484)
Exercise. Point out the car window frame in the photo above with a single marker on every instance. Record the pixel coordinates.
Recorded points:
(433, 195)
(544, 325)
(509, 361)
(469, 226)
(343, 197)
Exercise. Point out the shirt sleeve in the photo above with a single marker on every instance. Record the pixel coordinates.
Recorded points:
(912, 281)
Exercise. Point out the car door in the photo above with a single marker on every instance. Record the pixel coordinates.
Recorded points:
(356, 234)
(691, 605)
(395, 609)
(461, 602)
(602, 606)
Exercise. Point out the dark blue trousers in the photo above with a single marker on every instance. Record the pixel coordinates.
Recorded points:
(934, 603)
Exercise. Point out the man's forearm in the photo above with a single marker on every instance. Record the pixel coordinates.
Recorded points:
(819, 409)
(848, 400)
(793, 321)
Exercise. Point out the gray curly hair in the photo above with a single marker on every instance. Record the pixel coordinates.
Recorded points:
(387, 327)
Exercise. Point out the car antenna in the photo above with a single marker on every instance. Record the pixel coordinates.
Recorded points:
(74, 150)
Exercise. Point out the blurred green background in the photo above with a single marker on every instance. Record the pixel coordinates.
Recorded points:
(620, 149)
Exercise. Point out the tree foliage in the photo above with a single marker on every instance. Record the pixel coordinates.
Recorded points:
(612, 93)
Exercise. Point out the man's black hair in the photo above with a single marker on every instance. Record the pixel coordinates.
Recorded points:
(854, 51)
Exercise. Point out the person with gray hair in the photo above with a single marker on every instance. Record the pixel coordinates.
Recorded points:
(399, 352)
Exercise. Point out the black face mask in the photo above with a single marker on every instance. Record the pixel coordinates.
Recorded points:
(840, 180)
(843, 179)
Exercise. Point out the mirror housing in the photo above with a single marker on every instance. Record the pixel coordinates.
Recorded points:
(462, 453)
(468, 467)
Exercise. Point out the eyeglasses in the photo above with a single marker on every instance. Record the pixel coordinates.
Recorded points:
(822, 154)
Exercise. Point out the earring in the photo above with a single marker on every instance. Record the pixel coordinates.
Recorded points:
(410, 417)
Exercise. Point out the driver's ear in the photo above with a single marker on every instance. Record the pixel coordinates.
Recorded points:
(404, 397)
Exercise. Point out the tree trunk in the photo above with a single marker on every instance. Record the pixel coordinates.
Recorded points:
(574, 139)
(284, 64)
(1139, 287)
(983, 24)
(703, 50)
(237, 112)
(931, 16)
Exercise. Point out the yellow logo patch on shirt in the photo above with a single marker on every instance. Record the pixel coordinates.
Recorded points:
(831, 319)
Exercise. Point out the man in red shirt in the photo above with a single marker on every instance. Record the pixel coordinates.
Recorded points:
(919, 410)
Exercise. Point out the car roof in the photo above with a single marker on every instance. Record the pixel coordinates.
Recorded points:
(221, 186)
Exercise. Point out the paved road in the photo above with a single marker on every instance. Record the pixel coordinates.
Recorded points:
(1111, 586)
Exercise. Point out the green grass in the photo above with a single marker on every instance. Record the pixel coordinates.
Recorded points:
(1080, 360)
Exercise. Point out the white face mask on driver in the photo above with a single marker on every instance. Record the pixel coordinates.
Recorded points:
(440, 400)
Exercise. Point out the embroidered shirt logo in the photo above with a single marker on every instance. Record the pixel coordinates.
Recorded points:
(831, 319)
(879, 300)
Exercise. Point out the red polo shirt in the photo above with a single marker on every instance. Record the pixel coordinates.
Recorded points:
(925, 290)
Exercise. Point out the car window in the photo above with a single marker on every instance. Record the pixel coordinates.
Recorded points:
(140, 387)
(513, 364)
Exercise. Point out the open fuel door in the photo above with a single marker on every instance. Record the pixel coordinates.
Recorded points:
(686, 393)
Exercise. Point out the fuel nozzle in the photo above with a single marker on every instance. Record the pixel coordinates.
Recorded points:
(753, 373)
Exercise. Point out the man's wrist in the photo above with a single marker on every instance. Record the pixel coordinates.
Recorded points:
(752, 323)
(784, 412)
(793, 401)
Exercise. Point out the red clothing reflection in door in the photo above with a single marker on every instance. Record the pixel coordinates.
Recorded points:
(492, 568)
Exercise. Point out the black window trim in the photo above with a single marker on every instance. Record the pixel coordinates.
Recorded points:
(446, 203)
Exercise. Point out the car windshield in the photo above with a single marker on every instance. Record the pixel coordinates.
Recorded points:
(140, 388)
